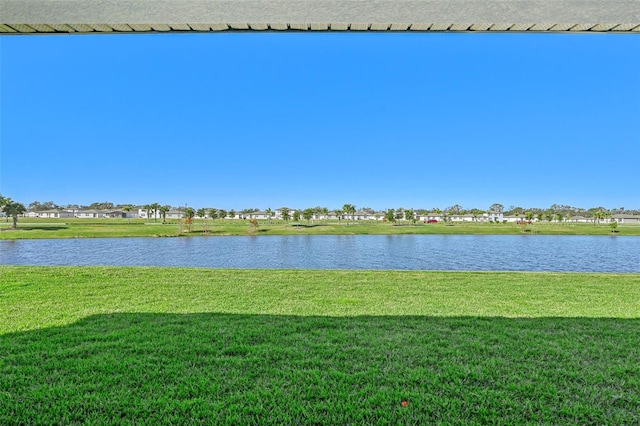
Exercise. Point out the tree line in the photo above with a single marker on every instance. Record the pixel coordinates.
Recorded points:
(155, 211)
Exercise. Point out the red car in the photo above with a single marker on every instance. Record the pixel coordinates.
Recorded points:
(431, 221)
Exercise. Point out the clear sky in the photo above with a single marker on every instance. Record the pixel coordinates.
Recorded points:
(257, 120)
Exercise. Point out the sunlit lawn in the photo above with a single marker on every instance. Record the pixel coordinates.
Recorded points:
(82, 228)
(113, 345)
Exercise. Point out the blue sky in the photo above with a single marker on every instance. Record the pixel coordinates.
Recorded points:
(273, 119)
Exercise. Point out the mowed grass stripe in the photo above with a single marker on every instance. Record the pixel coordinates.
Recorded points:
(112, 345)
(36, 297)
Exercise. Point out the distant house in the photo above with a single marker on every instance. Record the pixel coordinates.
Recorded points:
(259, 215)
(115, 214)
(362, 215)
(278, 212)
(626, 218)
(86, 214)
(174, 214)
(580, 219)
(54, 213)
(490, 216)
(431, 216)
(516, 218)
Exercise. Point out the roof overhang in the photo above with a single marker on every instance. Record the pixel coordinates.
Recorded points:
(140, 16)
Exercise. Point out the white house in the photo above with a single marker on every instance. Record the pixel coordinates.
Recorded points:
(516, 218)
(626, 218)
(259, 215)
(580, 219)
(54, 213)
(89, 213)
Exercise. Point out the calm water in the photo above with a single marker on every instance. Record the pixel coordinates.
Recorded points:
(420, 252)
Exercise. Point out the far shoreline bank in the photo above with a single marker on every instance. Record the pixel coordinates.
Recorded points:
(110, 228)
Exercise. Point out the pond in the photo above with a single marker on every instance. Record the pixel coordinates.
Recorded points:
(408, 252)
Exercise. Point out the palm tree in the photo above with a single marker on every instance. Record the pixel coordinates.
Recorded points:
(338, 214)
(599, 215)
(127, 209)
(3, 202)
(147, 208)
(269, 214)
(349, 209)
(325, 213)
(12, 208)
(155, 207)
(410, 215)
(163, 212)
(475, 213)
(285, 214)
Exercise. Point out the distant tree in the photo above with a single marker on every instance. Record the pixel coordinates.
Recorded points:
(127, 209)
(410, 215)
(528, 215)
(475, 213)
(599, 215)
(390, 215)
(456, 209)
(515, 210)
(285, 213)
(559, 216)
(269, 214)
(47, 205)
(222, 213)
(338, 214)
(308, 214)
(231, 214)
(548, 215)
(213, 214)
(147, 208)
(296, 216)
(189, 214)
(253, 226)
(155, 207)
(163, 212)
(613, 224)
(13, 209)
(349, 209)
(496, 208)
(399, 214)
(324, 211)
(105, 205)
(540, 216)
(201, 213)
(446, 217)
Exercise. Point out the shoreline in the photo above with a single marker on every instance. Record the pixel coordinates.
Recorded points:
(80, 228)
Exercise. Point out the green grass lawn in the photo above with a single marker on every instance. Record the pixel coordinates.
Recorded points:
(85, 228)
(114, 345)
